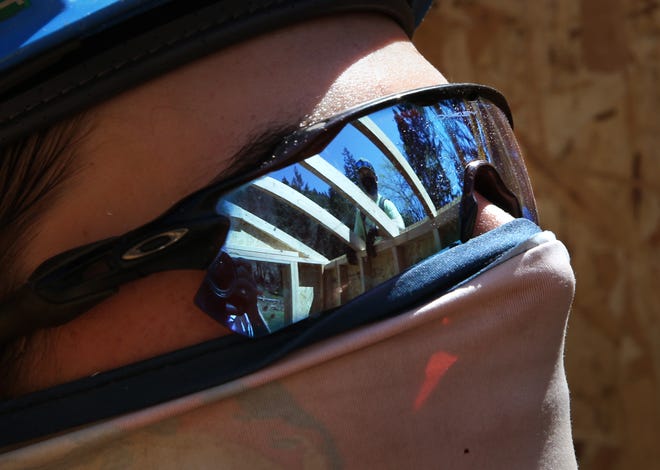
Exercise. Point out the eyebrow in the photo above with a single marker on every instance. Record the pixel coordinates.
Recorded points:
(258, 149)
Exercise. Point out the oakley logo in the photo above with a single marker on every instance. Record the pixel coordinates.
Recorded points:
(154, 244)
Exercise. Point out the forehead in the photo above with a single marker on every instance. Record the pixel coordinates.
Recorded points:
(271, 82)
(173, 135)
(59, 57)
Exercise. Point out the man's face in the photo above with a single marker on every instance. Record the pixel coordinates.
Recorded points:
(156, 143)
(369, 182)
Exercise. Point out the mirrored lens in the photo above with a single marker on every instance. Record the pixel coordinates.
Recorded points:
(383, 195)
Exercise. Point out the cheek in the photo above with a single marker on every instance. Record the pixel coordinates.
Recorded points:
(154, 300)
(157, 314)
(146, 318)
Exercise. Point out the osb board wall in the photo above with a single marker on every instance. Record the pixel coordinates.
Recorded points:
(583, 80)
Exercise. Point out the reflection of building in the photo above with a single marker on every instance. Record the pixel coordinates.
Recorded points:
(313, 280)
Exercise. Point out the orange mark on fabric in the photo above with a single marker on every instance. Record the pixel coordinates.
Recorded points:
(436, 368)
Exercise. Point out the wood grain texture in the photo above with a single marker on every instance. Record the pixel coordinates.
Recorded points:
(583, 81)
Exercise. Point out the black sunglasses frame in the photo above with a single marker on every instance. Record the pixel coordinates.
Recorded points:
(189, 234)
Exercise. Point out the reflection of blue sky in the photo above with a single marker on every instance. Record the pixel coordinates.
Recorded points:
(308, 178)
(360, 147)
(452, 134)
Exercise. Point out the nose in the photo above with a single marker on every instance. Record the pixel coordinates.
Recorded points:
(489, 216)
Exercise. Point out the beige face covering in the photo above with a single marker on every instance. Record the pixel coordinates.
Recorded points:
(474, 379)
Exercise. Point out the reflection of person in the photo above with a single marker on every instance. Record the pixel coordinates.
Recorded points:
(364, 226)
(230, 290)
(130, 155)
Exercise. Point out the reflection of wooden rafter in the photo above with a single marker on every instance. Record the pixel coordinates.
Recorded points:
(236, 212)
(328, 173)
(302, 203)
(372, 132)
(274, 245)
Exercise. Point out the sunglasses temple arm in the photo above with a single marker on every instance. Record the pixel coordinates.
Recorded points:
(51, 298)
(26, 311)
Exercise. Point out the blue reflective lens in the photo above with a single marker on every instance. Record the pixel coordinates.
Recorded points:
(382, 195)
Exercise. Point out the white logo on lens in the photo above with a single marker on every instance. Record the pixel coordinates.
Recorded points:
(154, 244)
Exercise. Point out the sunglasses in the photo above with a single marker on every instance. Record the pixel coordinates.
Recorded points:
(300, 236)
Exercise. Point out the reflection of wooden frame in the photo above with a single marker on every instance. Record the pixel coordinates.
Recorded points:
(302, 203)
(291, 283)
(288, 258)
(397, 250)
(328, 173)
(372, 132)
(236, 212)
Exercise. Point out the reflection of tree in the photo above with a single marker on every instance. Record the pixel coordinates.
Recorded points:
(460, 130)
(395, 186)
(437, 143)
(438, 148)
(350, 167)
(290, 219)
(423, 151)
(304, 227)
